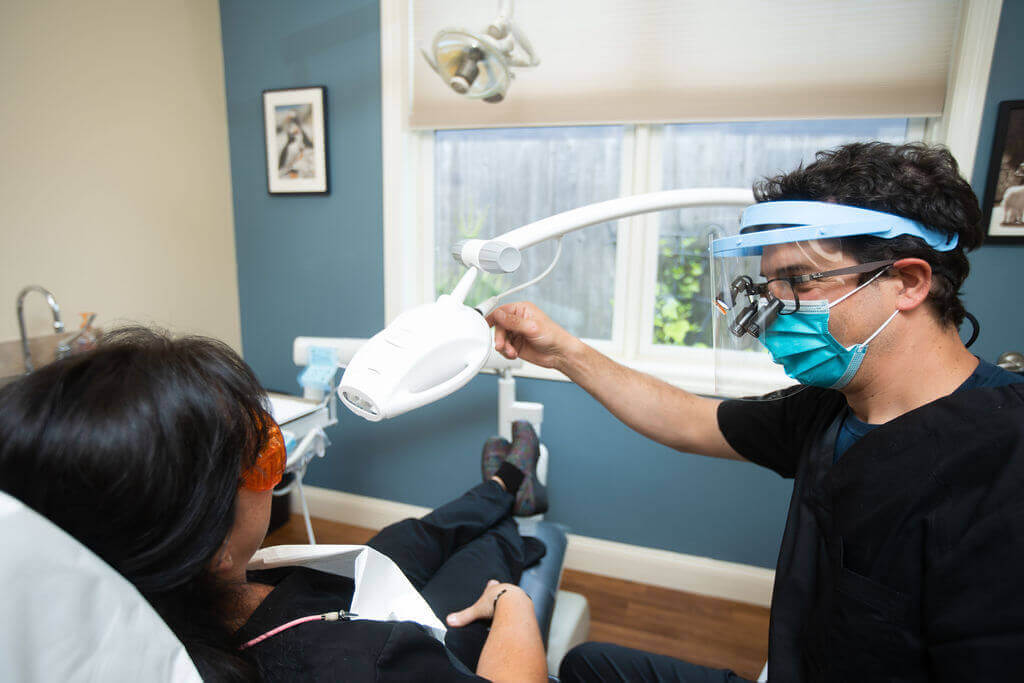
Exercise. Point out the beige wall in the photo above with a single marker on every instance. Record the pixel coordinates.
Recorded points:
(115, 189)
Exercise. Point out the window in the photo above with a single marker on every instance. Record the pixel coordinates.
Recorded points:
(638, 288)
(488, 182)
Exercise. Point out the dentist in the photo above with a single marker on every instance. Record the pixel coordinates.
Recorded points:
(905, 534)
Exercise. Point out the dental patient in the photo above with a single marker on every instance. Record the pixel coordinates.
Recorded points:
(160, 456)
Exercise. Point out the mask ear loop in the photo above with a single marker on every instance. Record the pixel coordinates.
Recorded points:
(876, 332)
(976, 330)
(846, 296)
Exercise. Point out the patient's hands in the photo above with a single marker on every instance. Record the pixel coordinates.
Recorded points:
(521, 330)
(514, 650)
(484, 607)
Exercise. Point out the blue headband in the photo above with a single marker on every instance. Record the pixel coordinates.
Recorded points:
(821, 220)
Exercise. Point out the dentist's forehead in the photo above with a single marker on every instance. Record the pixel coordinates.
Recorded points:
(798, 258)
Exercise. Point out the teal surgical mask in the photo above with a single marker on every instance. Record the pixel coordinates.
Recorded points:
(801, 342)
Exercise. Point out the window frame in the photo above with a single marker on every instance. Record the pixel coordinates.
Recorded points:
(408, 188)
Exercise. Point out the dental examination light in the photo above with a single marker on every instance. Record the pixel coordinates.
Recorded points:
(478, 65)
(434, 349)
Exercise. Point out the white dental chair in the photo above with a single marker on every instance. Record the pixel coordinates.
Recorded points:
(62, 605)
(68, 616)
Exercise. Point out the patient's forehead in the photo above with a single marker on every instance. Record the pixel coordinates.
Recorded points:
(800, 258)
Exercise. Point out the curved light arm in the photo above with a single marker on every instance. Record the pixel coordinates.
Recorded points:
(601, 212)
(613, 209)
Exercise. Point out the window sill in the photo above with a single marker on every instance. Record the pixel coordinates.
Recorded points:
(695, 377)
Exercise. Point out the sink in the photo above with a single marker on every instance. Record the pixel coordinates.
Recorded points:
(12, 359)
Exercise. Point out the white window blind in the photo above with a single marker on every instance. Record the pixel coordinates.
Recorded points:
(637, 61)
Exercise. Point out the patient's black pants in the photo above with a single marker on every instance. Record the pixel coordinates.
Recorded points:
(450, 554)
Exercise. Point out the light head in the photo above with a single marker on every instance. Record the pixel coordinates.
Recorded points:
(425, 354)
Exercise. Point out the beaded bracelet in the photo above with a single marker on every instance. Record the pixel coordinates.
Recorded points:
(495, 605)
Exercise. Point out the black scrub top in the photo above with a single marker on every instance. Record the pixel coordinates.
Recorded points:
(901, 561)
(986, 374)
(339, 650)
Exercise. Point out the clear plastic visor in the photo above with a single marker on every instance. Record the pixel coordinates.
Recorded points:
(751, 292)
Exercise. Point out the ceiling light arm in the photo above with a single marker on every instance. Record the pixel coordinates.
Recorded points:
(525, 45)
(503, 27)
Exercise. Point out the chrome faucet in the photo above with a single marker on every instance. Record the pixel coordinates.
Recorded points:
(58, 326)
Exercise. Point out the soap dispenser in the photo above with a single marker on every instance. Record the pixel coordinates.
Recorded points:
(87, 337)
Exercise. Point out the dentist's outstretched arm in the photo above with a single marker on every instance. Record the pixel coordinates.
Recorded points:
(660, 411)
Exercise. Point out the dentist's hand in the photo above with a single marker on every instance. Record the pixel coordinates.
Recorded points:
(521, 330)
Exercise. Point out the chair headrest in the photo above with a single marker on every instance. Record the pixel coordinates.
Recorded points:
(67, 615)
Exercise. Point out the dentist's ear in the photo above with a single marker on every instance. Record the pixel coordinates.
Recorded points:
(915, 282)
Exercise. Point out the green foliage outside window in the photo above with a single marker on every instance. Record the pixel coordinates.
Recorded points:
(681, 311)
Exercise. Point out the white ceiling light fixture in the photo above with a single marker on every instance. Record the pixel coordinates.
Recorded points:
(478, 65)
(681, 61)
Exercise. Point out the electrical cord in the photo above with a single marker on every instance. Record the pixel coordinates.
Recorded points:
(341, 615)
(488, 305)
(977, 329)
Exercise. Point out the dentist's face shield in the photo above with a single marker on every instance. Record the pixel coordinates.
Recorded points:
(781, 275)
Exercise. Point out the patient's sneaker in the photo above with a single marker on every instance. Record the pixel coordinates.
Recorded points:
(532, 498)
(495, 451)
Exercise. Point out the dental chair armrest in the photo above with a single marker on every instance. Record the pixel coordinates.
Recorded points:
(541, 580)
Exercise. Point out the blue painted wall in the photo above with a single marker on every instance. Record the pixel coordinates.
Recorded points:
(314, 266)
(996, 269)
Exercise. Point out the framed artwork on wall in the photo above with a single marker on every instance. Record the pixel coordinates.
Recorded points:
(296, 140)
(1004, 192)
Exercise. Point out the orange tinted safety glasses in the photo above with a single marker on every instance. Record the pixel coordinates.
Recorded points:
(268, 469)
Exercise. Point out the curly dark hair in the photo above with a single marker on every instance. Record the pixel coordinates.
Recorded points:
(913, 180)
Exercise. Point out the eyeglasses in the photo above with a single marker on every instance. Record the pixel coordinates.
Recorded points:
(787, 289)
(268, 469)
(778, 296)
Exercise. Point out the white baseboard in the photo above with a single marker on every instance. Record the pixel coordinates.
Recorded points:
(667, 569)
(678, 571)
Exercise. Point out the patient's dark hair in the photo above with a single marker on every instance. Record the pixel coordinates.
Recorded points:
(913, 180)
(136, 450)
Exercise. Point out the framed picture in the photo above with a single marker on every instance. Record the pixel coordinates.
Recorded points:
(1004, 191)
(296, 137)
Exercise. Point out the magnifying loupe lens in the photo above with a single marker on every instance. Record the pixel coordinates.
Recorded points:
(741, 324)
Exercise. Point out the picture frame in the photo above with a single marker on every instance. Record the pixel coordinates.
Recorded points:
(295, 124)
(1003, 206)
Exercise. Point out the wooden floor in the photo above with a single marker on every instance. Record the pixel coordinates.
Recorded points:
(703, 630)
